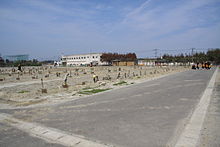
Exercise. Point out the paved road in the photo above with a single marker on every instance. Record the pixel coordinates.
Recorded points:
(152, 113)
(11, 137)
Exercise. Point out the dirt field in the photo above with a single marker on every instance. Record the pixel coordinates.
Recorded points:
(24, 89)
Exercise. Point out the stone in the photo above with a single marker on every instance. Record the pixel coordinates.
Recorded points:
(107, 78)
(44, 90)
(101, 83)
(65, 86)
(46, 76)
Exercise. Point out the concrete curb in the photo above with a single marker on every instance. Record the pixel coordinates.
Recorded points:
(49, 134)
(191, 133)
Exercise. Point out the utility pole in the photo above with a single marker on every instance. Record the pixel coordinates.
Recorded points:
(192, 54)
(89, 54)
(155, 52)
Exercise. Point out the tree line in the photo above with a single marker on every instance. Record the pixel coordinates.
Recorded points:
(201, 57)
(8, 63)
(110, 57)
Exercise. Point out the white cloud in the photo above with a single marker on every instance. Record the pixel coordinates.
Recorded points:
(139, 9)
(159, 20)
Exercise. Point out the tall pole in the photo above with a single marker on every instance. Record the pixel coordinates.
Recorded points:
(90, 60)
(192, 53)
(155, 52)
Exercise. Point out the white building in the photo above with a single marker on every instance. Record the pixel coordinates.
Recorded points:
(82, 59)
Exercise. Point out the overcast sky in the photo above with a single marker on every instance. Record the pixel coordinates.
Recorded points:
(48, 28)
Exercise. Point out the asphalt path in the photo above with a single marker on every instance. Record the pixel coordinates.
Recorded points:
(12, 137)
(151, 113)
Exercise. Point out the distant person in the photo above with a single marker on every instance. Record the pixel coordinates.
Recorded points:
(193, 66)
(208, 65)
(197, 66)
(203, 65)
(94, 77)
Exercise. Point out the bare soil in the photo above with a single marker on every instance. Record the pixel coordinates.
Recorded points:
(27, 91)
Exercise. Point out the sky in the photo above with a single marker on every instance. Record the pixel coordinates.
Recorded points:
(46, 29)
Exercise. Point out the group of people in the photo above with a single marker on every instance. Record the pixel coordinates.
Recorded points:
(206, 65)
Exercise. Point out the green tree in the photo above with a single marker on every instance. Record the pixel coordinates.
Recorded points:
(214, 56)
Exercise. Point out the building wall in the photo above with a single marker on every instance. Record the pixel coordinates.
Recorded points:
(82, 59)
(123, 63)
(130, 63)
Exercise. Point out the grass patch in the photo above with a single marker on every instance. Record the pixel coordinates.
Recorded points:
(120, 83)
(93, 91)
(23, 91)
